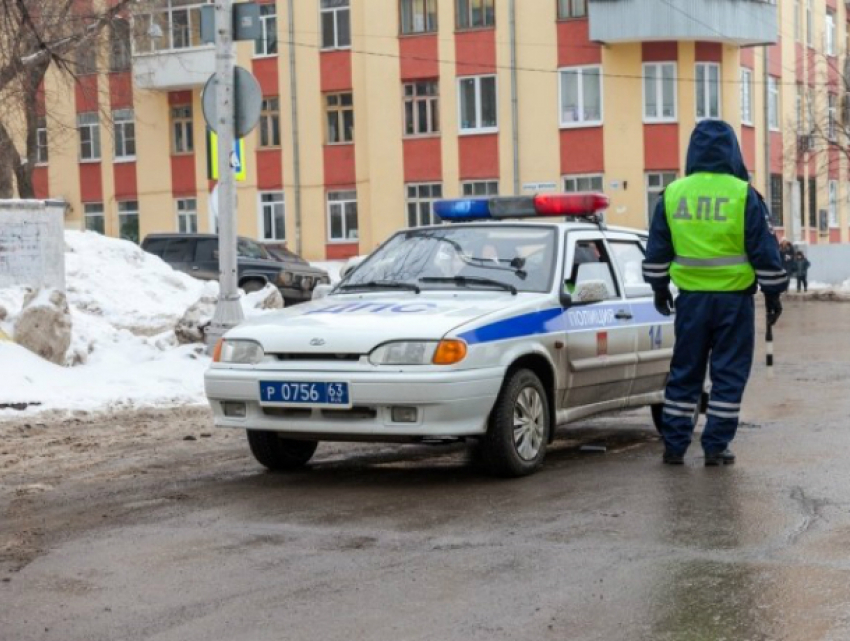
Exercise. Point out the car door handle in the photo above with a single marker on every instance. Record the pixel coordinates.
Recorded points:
(623, 315)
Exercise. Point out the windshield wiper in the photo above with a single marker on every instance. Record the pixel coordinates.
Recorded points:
(382, 284)
(470, 280)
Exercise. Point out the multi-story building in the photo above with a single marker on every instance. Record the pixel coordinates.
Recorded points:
(373, 109)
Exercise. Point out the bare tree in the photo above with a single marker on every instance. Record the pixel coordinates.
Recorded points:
(37, 36)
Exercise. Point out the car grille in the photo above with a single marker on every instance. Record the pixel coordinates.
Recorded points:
(352, 414)
(332, 358)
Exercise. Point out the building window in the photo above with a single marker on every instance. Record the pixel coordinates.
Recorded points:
(342, 216)
(89, 128)
(581, 96)
(708, 90)
(183, 140)
(480, 188)
(421, 108)
(270, 122)
(273, 216)
(747, 96)
(833, 203)
(776, 211)
(175, 24)
(336, 24)
(659, 92)
(420, 204)
(800, 114)
(809, 24)
(813, 202)
(772, 104)
(125, 134)
(266, 44)
(128, 220)
(339, 111)
(119, 45)
(591, 182)
(93, 217)
(85, 59)
(832, 118)
(830, 36)
(572, 9)
(797, 33)
(187, 215)
(418, 16)
(478, 109)
(473, 14)
(41, 154)
(655, 184)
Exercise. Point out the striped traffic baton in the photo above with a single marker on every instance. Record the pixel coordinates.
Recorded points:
(768, 338)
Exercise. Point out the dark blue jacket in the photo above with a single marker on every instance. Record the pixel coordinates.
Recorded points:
(714, 149)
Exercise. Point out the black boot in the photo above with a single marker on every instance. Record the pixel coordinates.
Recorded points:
(671, 458)
(719, 458)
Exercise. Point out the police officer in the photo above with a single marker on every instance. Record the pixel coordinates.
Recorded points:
(711, 236)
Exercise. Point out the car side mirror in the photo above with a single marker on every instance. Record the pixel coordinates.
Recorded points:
(590, 291)
(322, 291)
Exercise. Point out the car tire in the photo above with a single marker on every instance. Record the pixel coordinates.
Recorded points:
(519, 427)
(280, 454)
(658, 410)
(252, 286)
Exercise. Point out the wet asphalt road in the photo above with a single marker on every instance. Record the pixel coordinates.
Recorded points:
(390, 543)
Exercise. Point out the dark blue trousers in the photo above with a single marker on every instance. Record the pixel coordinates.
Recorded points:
(716, 330)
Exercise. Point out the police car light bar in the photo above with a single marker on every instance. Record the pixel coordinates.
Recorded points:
(582, 204)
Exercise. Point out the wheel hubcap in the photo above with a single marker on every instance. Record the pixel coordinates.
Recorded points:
(529, 423)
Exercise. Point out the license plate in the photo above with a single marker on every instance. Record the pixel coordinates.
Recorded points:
(298, 393)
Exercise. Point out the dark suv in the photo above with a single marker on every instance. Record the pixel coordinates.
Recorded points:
(197, 255)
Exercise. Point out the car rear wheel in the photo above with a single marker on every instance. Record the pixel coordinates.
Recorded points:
(516, 438)
(280, 454)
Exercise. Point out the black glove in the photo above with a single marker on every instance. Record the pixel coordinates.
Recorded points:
(664, 301)
(774, 307)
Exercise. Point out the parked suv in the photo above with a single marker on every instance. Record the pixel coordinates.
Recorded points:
(197, 255)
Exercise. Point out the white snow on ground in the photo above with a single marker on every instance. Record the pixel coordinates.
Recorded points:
(124, 305)
(332, 267)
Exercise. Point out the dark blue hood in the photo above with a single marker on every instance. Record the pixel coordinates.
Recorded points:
(714, 149)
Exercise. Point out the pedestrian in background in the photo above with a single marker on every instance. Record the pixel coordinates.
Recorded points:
(801, 271)
(786, 251)
(711, 236)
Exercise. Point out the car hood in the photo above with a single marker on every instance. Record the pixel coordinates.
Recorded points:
(356, 324)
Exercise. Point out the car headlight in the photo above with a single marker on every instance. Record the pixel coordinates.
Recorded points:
(284, 278)
(238, 351)
(446, 352)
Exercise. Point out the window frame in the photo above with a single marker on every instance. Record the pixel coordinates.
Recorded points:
(577, 177)
(186, 214)
(94, 137)
(88, 215)
(339, 109)
(656, 190)
(777, 200)
(127, 126)
(271, 205)
(128, 211)
(810, 40)
(659, 92)
(432, 109)
(412, 13)
(459, 26)
(42, 149)
(706, 82)
(120, 45)
(261, 44)
(490, 187)
(343, 204)
(832, 117)
(832, 204)
(164, 19)
(582, 122)
(773, 107)
(566, 10)
(746, 78)
(478, 129)
(186, 125)
(269, 125)
(830, 34)
(417, 200)
(336, 30)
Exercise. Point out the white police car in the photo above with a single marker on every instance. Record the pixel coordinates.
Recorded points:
(523, 314)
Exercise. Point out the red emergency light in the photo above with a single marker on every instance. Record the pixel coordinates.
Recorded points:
(576, 204)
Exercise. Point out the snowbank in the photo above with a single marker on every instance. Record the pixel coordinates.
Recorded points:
(124, 304)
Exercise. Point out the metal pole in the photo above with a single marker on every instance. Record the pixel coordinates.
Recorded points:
(228, 311)
(514, 98)
(296, 140)
(767, 190)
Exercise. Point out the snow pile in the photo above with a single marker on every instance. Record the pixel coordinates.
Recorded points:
(124, 304)
(332, 267)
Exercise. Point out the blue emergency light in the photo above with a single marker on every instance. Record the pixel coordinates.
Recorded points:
(579, 204)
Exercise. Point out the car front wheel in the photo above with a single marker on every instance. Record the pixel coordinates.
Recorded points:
(280, 454)
(515, 443)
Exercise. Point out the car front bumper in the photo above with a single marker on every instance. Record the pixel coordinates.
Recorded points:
(449, 404)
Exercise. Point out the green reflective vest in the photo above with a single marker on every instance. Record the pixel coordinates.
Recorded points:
(705, 213)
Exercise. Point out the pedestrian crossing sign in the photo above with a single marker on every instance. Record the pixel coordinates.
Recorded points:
(237, 157)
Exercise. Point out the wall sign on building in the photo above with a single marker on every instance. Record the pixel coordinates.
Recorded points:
(32, 243)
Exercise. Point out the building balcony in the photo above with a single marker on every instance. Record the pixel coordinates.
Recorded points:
(173, 69)
(740, 22)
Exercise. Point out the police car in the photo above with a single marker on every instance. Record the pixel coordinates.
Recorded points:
(519, 315)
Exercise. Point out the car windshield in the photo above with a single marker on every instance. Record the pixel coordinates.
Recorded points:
(249, 249)
(471, 257)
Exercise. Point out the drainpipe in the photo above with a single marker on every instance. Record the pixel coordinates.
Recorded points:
(514, 99)
(767, 190)
(296, 141)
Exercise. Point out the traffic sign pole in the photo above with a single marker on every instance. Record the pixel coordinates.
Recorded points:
(228, 311)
